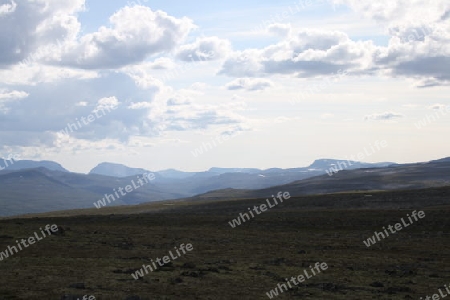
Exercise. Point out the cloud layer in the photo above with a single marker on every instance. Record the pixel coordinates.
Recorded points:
(418, 48)
(53, 74)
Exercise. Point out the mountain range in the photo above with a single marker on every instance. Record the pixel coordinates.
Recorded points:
(34, 187)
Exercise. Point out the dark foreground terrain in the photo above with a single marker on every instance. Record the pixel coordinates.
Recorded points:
(96, 254)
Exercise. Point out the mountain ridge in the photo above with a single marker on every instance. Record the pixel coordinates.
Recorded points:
(15, 165)
(41, 189)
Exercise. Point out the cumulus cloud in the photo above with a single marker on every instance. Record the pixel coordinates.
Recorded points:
(243, 63)
(27, 26)
(249, 84)
(134, 34)
(389, 11)
(59, 76)
(420, 38)
(386, 116)
(418, 47)
(33, 32)
(142, 76)
(204, 49)
(305, 53)
(58, 73)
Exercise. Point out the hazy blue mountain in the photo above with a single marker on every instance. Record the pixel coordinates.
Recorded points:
(33, 191)
(46, 189)
(14, 165)
(116, 170)
(394, 177)
(175, 174)
(43, 190)
(234, 170)
(326, 164)
(318, 167)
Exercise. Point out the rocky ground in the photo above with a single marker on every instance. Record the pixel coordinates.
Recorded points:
(96, 255)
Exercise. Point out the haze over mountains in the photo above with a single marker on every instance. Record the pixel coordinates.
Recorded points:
(11, 165)
(33, 187)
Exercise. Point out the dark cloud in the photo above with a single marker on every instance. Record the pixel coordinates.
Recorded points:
(27, 25)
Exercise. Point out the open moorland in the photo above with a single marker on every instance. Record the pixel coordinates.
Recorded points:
(96, 254)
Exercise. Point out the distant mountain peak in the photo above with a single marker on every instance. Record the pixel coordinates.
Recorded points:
(326, 163)
(116, 170)
(16, 165)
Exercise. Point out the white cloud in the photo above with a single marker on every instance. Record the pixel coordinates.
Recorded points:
(59, 73)
(8, 8)
(151, 112)
(305, 53)
(178, 100)
(23, 74)
(198, 86)
(107, 104)
(204, 49)
(418, 48)
(33, 25)
(162, 63)
(238, 98)
(7, 95)
(143, 78)
(135, 33)
(250, 84)
(389, 11)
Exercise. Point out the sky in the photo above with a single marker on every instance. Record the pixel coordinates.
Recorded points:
(192, 85)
